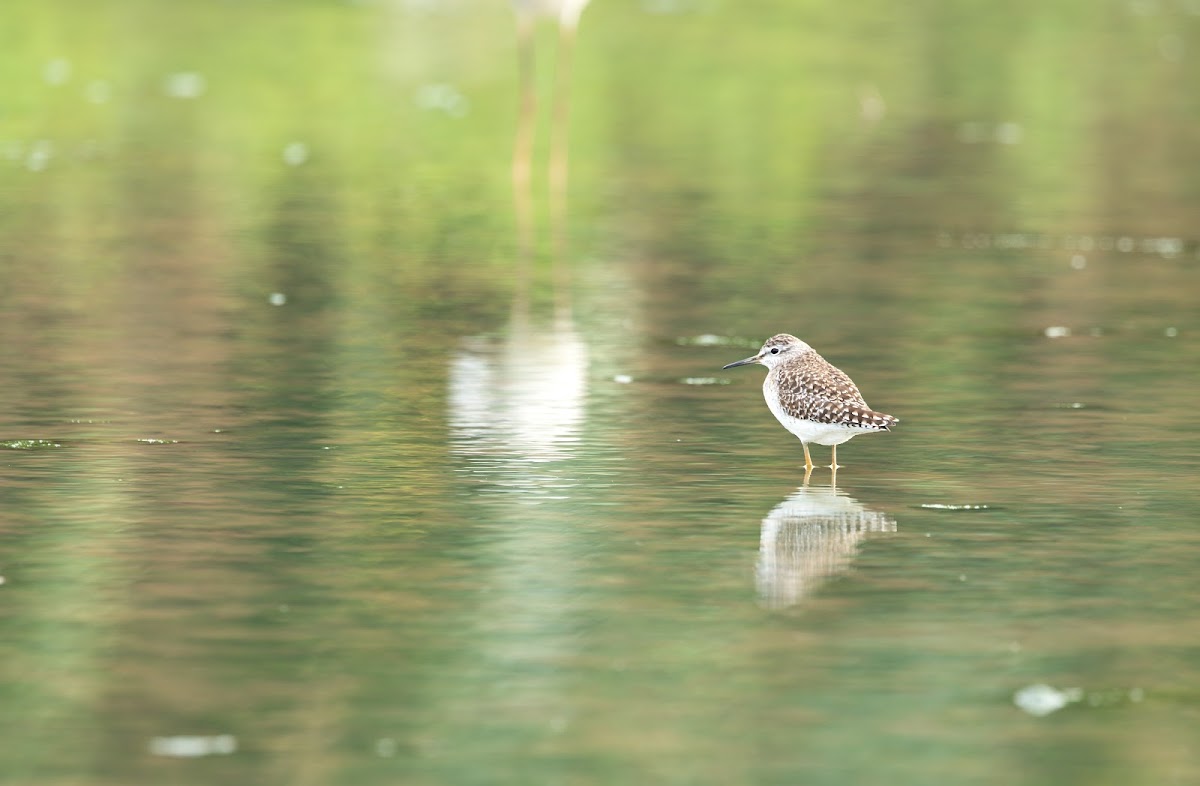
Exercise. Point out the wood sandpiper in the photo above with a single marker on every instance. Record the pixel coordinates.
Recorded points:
(812, 398)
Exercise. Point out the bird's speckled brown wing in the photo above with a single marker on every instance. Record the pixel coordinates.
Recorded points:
(811, 388)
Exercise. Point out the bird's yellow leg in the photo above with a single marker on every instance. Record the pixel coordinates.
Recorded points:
(808, 465)
(833, 461)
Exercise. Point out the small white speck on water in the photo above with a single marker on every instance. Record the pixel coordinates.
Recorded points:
(1009, 133)
(713, 340)
(1171, 332)
(623, 379)
(97, 91)
(277, 298)
(1057, 331)
(2, 580)
(185, 84)
(295, 153)
(962, 577)
(1078, 262)
(704, 381)
(443, 98)
(190, 747)
(57, 71)
(708, 340)
(40, 153)
(1040, 700)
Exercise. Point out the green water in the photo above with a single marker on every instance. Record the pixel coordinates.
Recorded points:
(327, 458)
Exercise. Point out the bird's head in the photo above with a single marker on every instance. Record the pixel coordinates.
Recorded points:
(776, 350)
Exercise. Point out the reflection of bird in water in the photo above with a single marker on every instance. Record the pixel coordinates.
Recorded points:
(812, 398)
(809, 538)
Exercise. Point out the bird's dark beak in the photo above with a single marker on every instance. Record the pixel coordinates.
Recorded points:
(745, 362)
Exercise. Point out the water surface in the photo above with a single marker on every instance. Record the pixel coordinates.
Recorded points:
(326, 458)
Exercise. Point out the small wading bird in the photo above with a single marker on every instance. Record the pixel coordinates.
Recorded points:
(812, 398)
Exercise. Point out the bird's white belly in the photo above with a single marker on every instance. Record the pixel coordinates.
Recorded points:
(811, 431)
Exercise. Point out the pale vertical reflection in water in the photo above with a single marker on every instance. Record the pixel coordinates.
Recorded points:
(516, 410)
(517, 406)
(518, 402)
(809, 538)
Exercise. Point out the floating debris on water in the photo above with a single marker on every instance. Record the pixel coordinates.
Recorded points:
(1057, 331)
(190, 747)
(29, 444)
(1040, 700)
(943, 506)
(153, 441)
(623, 379)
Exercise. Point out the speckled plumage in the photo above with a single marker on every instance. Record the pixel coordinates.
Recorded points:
(811, 397)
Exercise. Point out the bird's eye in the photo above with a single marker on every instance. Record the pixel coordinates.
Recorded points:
(774, 350)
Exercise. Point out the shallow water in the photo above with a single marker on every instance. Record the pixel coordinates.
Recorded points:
(326, 459)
